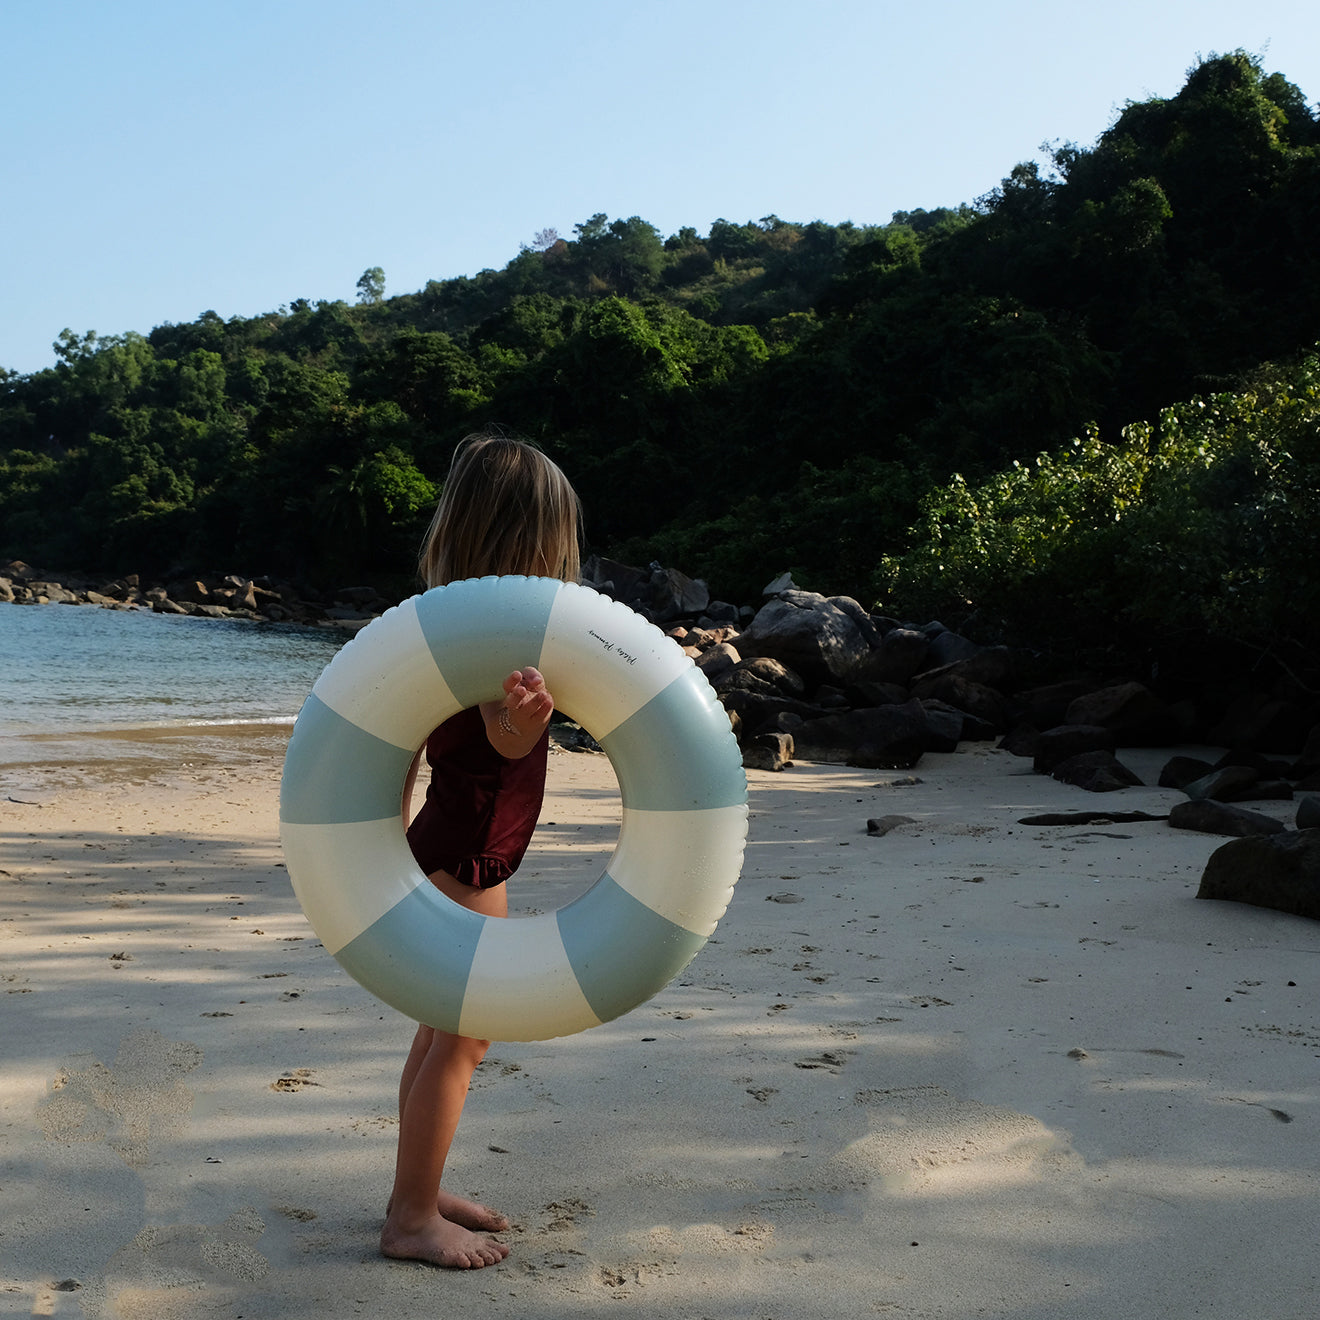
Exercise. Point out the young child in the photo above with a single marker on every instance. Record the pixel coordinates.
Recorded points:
(506, 508)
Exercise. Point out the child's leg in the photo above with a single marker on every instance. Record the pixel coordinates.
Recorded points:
(458, 1209)
(423, 1222)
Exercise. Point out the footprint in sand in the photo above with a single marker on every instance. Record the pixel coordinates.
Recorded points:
(296, 1079)
(830, 1060)
(134, 1102)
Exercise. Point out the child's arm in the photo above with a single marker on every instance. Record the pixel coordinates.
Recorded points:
(514, 725)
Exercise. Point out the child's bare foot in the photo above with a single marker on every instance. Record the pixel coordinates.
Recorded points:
(459, 1210)
(438, 1241)
(470, 1214)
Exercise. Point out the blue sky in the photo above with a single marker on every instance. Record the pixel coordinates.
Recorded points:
(164, 157)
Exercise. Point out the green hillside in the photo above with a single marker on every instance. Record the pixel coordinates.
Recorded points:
(763, 396)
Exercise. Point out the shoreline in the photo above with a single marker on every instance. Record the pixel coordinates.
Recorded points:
(970, 1067)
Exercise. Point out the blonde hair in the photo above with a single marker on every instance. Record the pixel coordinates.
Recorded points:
(505, 508)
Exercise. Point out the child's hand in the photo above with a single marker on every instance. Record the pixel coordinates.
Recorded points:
(515, 724)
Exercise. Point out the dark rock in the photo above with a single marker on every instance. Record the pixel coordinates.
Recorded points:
(976, 729)
(1068, 740)
(985, 703)
(1088, 818)
(1046, 706)
(1280, 872)
(769, 751)
(1179, 771)
(866, 693)
(756, 710)
(901, 653)
(1135, 715)
(1269, 790)
(188, 591)
(997, 667)
(1308, 813)
(944, 726)
(1024, 740)
(948, 648)
(674, 595)
(878, 827)
(1266, 767)
(1234, 783)
(1097, 772)
(884, 737)
(823, 639)
(1210, 817)
(166, 606)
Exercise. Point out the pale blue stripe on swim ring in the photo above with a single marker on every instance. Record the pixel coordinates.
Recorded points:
(417, 957)
(335, 772)
(678, 753)
(483, 628)
(621, 951)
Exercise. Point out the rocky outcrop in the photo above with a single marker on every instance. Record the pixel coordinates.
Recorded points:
(220, 597)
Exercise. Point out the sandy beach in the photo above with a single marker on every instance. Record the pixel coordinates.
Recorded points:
(972, 1068)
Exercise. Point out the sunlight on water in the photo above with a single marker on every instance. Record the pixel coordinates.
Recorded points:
(79, 669)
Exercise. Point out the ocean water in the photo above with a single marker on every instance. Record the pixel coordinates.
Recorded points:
(77, 669)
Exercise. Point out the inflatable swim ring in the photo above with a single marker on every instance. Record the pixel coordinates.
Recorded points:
(680, 778)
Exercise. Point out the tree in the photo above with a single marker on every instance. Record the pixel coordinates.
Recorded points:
(371, 285)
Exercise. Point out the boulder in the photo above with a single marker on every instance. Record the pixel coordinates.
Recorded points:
(1022, 740)
(1135, 715)
(944, 726)
(884, 737)
(1044, 707)
(1067, 740)
(1096, 772)
(758, 711)
(1281, 871)
(674, 595)
(988, 705)
(1234, 783)
(51, 593)
(717, 661)
(825, 639)
(762, 674)
(998, 667)
(769, 751)
(1179, 771)
(901, 653)
(1210, 817)
(1308, 813)
(948, 648)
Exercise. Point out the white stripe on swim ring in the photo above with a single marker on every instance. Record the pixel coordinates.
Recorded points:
(680, 776)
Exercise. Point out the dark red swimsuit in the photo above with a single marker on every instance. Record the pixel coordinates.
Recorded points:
(480, 808)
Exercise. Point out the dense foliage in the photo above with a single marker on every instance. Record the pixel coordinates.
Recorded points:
(770, 394)
(1205, 525)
